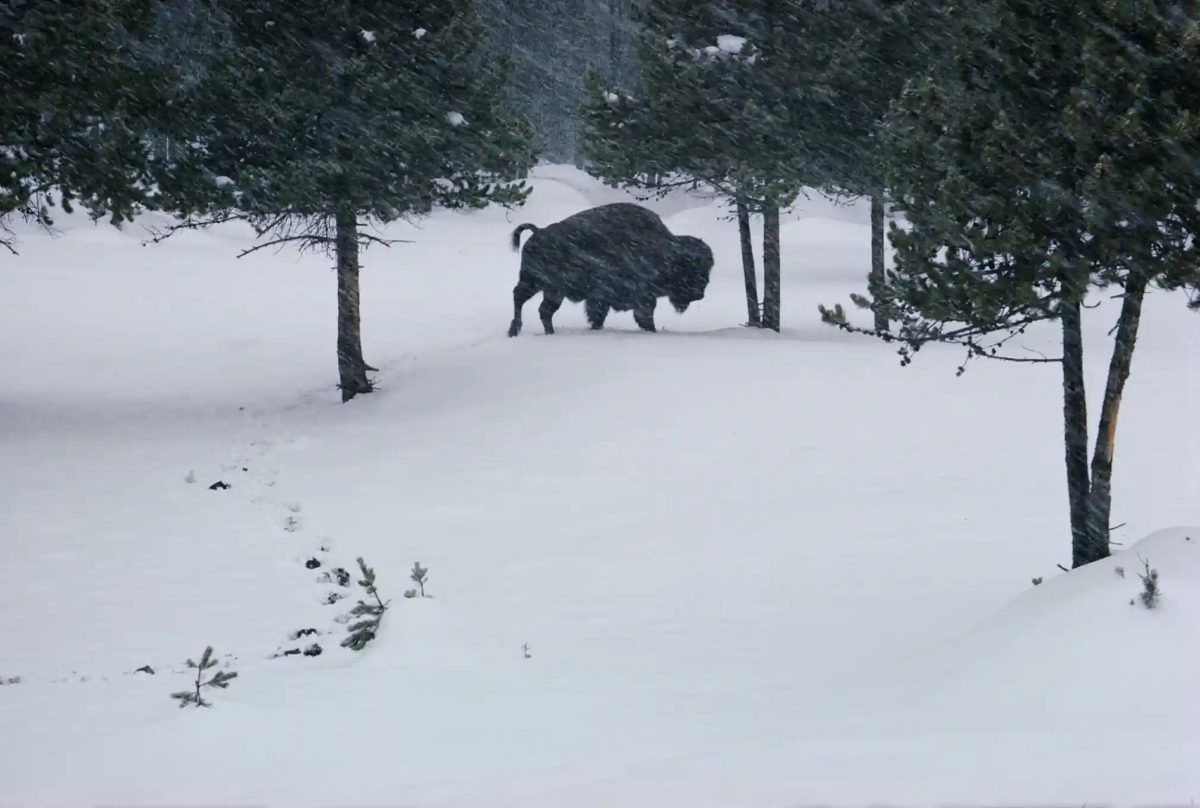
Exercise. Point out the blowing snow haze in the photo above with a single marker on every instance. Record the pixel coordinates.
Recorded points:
(851, 458)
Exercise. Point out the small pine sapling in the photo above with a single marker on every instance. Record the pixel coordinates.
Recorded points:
(219, 679)
(371, 614)
(1150, 590)
(419, 575)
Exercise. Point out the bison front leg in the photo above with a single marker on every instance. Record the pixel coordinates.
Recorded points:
(643, 314)
(521, 294)
(550, 303)
(596, 313)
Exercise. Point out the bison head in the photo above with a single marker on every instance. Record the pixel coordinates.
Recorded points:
(689, 274)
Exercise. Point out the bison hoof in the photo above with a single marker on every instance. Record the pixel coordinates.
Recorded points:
(514, 329)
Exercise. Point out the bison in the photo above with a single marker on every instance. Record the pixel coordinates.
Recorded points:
(618, 256)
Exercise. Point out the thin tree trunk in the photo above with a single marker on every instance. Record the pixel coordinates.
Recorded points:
(1100, 501)
(614, 40)
(878, 280)
(771, 285)
(352, 369)
(1075, 433)
(753, 317)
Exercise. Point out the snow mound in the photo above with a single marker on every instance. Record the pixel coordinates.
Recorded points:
(734, 586)
(1082, 644)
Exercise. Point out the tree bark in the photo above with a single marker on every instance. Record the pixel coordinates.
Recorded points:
(1075, 433)
(753, 316)
(877, 283)
(771, 283)
(352, 369)
(1100, 501)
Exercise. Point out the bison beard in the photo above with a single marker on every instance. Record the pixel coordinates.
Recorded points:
(618, 256)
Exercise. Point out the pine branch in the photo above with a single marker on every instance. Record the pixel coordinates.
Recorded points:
(964, 337)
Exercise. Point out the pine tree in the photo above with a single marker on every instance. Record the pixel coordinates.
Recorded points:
(75, 107)
(326, 114)
(867, 50)
(370, 615)
(720, 102)
(220, 679)
(551, 44)
(1050, 155)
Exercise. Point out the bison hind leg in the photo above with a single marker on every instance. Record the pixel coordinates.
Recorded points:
(596, 311)
(550, 303)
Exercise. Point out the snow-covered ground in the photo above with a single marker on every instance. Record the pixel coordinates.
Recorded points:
(749, 569)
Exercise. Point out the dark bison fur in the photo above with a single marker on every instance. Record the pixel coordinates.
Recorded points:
(618, 256)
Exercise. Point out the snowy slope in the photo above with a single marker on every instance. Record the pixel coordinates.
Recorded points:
(750, 569)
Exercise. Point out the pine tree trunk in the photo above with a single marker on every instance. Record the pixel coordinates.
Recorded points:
(352, 369)
(1075, 432)
(878, 280)
(614, 40)
(752, 310)
(1100, 501)
(771, 285)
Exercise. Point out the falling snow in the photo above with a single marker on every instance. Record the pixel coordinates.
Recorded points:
(758, 567)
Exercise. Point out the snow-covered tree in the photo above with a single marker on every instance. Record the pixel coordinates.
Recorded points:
(1051, 154)
(721, 102)
(322, 115)
(73, 109)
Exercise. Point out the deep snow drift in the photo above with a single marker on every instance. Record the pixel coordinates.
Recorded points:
(749, 569)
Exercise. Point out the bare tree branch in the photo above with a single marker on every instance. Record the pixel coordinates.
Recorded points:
(309, 242)
(161, 234)
(310, 231)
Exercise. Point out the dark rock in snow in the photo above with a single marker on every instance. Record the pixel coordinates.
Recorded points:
(312, 563)
(313, 650)
(145, 669)
(302, 632)
(342, 575)
(219, 485)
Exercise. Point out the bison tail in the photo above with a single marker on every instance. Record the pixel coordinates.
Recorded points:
(516, 236)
